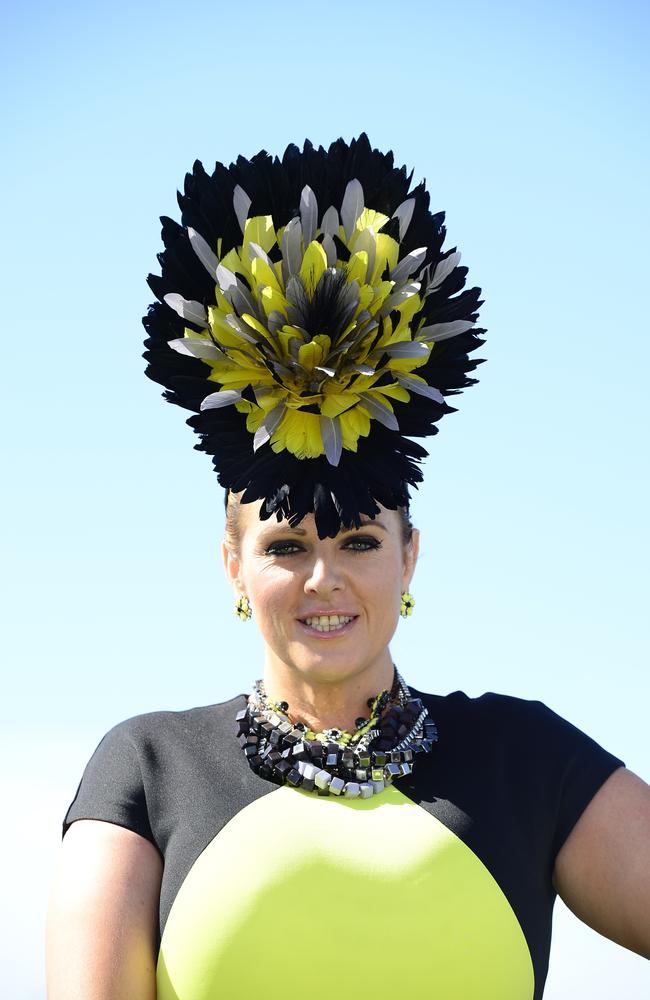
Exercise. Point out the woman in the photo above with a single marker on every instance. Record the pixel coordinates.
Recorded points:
(332, 829)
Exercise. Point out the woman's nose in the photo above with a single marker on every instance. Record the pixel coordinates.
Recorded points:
(324, 576)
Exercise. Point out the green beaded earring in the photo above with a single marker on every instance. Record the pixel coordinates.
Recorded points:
(243, 608)
(406, 605)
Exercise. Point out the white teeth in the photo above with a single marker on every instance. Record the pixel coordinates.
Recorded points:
(327, 623)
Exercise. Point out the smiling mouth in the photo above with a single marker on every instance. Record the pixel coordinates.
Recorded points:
(327, 623)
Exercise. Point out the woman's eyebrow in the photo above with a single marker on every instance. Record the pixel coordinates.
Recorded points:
(278, 532)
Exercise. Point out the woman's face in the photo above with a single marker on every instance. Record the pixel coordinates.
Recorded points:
(326, 607)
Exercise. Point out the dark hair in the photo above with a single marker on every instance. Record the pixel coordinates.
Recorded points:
(233, 536)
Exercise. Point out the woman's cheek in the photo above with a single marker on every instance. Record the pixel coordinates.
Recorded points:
(273, 610)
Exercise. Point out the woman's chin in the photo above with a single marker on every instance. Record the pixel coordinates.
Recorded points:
(331, 662)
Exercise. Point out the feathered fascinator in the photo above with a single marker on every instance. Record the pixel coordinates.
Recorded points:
(310, 319)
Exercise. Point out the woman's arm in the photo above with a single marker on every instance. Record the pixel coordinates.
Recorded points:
(602, 871)
(103, 915)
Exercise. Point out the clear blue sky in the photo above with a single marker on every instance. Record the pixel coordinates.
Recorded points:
(529, 123)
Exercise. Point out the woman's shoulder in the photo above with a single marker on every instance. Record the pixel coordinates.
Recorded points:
(524, 728)
(157, 723)
(488, 704)
(501, 718)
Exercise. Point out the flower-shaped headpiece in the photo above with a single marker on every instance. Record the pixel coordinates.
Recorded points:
(309, 317)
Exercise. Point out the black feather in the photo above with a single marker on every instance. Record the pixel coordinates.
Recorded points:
(386, 463)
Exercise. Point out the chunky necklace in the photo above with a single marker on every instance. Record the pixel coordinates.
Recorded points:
(334, 761)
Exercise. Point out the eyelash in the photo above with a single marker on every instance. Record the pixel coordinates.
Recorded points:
(280, 548)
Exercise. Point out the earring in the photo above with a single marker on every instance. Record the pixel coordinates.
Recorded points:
(407, 604)
(243, 608)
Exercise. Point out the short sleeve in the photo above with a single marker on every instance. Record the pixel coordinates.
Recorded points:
(584, 766)
(112, 787)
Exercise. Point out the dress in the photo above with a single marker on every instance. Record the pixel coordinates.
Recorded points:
(439, 887)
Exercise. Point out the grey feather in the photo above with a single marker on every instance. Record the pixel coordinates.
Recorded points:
(247, 333)
(276, 320)
(443, 270)
(195, 348)
(225, 397)
(404, 349)
(255, 250)
(444, 331)
(408, 265)
(204, 252)
(366, 241)
(241, 300)
(361, 329)
(380, 412)
(352, 206)
(308, 214)
(295, 344)
(225, 278)
(330, 429)
(329, 246)
(330, 223)
(399, 295)
(350, 294)
(404, 213)
(424, 277)
(291, 248)
(420, 387)
(187, 308)
(295, 291)
(280, 370)
(241, 203)
(326, 371)
(261, 392)
(268, 426)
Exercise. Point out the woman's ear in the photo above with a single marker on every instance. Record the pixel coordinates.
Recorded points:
(411, 552)
(232, 567)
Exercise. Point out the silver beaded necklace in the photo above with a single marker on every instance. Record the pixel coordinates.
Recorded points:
(334, 762)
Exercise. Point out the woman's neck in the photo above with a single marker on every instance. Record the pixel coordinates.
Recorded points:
(327, 703)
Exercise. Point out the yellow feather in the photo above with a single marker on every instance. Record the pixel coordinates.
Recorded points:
(299, 433)
(370, 217)
(407, 364)
(263, 274)
(357, 267)
(366, 295)
(190, 334)
(380, 294)
(241, 377)
(336, 403)
(233, 261)
(222, 302)
(394, 390)
(363, 383)
(256, 325)
(222, 332)
(310, 355)
(285, 336)
(254, 418)
(355, 423)
(260, 230)
(273, 300)
(407, 310)
(387, 253)
(313, 264)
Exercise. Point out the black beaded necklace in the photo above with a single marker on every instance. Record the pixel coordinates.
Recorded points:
(336, 762)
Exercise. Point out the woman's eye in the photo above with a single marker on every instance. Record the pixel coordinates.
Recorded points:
(282, 549)
(365, 544)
